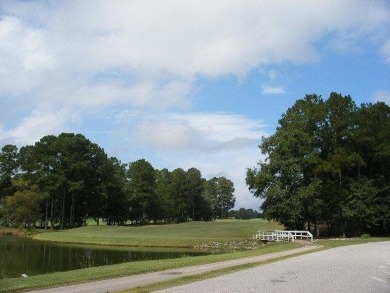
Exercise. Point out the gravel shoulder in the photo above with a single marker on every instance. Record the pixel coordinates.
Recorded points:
(133, 281)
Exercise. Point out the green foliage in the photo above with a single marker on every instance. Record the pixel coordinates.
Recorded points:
(327, 162)
(141, 188)
(225, 196)
(79, 181)
(245, 214)
(9, 160)
(23, 208)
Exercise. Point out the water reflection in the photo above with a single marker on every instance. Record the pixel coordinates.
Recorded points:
(20, 255)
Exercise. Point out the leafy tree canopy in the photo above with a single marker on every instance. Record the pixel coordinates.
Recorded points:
(328, 162)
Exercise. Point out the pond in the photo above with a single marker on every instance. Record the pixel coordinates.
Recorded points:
(20, 255)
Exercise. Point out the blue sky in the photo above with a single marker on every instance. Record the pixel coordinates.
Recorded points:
(183, 83)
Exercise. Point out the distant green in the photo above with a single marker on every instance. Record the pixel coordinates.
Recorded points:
(173, 235)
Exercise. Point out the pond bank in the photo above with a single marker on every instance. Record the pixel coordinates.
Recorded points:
(158, 277)
(23, 255)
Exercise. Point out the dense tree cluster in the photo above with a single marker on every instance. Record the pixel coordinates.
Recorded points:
(245, 214)
(61, 181)
(328, 162)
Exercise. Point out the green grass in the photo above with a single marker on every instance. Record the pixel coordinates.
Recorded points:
(173, 235)
(333, 243)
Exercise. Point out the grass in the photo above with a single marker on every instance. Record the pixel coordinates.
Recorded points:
(16, 231)
(174, 235)
(333, 243)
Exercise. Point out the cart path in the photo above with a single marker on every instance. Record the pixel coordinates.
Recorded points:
(115, 284)
(357, 268)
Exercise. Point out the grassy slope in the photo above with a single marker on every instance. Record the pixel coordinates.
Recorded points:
(175, 235)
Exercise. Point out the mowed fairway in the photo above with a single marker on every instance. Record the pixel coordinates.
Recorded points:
(171, 235)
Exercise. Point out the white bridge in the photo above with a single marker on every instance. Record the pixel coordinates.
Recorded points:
(279, 235)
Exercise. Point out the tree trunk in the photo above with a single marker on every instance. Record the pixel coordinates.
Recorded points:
(46, 213)
(52, 212)
(221, 209)
(344, 224)
(72, 211)
(63, 209)
(317, 228)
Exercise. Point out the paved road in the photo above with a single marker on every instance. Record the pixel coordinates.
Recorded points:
(111, 285)
(358, 268)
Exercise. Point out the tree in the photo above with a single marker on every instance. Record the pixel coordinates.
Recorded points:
(319, 165)
(115, 204)
(225, 198)
(179, 192)
(141, 188)
(210, 198)
(68, 168)
(371, 139)
(244, 214)
(79, 181)
(9, 162)
(166, 204)
(39, 164)
(23, 208)
(195, 187)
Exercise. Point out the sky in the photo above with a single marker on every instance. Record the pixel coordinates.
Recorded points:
(183, 83)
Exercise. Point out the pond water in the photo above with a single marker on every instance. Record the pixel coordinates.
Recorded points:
(19, 255)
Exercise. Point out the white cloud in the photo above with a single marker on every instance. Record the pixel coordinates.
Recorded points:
(163, 45)
(382, 96)
(199, 132)
(62, 60)
(218, 144)
(39, 124)
(273, 90)
(273, 74)
(24, 56)
(386, 50)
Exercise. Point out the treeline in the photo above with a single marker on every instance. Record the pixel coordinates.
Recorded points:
(328, 163)
(61, 181)
(245, 214)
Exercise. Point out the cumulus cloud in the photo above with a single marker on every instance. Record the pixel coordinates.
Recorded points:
(63, 60)
(139, 47)
(218, 144)
(199, 132)
(39, 124)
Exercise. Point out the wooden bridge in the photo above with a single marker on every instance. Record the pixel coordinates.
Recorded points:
(279, 235)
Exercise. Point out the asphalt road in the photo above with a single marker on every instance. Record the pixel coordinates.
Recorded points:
(358, 268)
(115, 284)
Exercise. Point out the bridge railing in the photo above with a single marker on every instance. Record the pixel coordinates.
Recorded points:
(280, 235)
